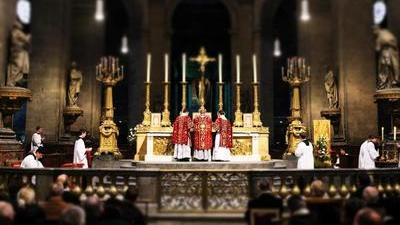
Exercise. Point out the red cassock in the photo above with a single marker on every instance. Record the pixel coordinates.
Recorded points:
(225, 130)
(202, 133)
(180, 133)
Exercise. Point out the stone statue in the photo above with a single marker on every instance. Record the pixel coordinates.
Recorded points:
(18, 66)
(75, 83)
(331, 89)
(388, 66)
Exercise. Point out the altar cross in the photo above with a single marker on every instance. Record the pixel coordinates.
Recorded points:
(202, 59)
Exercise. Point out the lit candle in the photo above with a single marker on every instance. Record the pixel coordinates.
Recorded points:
(148, 67)
(166, 67)
(237, 69)
(254, 68)
(383, 133)
(394, 133)
(183, 67)
(219, 68)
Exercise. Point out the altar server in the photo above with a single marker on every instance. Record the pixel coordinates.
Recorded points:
(223, 138)
(80, 150)
(37, 139)
(304, 152)
(181, 136)
(368, 154)
(202, 126)
(32, 159)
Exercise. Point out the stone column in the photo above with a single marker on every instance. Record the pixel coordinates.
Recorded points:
(50, 54)
(7, 17)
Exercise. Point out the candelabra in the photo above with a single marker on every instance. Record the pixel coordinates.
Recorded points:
(109, 73)
(238, 113)
(296, 74)
(256, 113)
(184, 84)
(220, 96)
(165, 121)
(147, 113)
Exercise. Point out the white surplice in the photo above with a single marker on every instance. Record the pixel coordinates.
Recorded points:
(30, 161)
(305, 156)
(367, 156)
(80, 153)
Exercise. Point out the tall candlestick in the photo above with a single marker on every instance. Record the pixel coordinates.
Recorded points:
(237, 69)
(219, 68)
(394, 133)
(166, 67)
(148, 67)
(254, 68)
(183, 67)
(383, 133)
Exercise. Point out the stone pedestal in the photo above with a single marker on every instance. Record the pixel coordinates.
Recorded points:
(71, 114)
(249, 144)
(11, 100)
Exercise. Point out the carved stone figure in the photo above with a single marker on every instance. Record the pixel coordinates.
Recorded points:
(388, 66)
(331, 89)
(18, 66)
(75, 83)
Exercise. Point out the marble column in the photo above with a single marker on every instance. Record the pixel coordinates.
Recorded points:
(49, 62)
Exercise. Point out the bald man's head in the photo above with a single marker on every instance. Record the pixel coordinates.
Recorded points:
(367, 216)
(6, 211)
(370, 194)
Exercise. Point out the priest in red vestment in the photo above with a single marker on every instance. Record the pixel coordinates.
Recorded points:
(181, 136)
(223, 138)
(202, 127)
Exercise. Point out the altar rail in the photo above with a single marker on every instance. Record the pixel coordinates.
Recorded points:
(198, 190)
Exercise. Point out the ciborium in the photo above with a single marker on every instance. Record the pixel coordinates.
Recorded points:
(109, 72)
(296, 74)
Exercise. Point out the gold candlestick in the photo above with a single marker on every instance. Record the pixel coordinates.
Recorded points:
(109, 73)
(184, 84)
(165, 121)
(238, 113)
(220, 96)
(296, 74)
(256, 113)
(147, 113)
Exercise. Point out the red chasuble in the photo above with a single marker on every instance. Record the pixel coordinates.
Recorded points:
(224, 128)
(202, 133)
(180, 133)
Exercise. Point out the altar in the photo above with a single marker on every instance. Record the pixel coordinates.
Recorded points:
(153, 144)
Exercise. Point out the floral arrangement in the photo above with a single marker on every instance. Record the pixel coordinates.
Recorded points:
(322, 154)
(132, 135)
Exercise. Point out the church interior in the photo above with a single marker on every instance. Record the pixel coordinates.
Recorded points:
(281, 72)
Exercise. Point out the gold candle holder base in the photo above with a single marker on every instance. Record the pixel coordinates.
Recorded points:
(165, 121)
(238, 122)
(147, 113)
(256, 113)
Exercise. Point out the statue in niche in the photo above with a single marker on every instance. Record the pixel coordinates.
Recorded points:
(388, 66)
(74, 88)
(18, 66)
(331, 89)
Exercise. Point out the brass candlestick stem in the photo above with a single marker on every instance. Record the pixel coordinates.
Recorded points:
(220, 96)
(238, 113)
(296, 74)
(256, 113)
(147, 113)
(184, 93)
(165, 121)
(109, 73)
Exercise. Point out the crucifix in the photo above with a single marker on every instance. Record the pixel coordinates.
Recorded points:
(203, 84)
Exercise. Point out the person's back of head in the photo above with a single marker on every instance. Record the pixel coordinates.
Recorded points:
(370, 195)
(7, 213)
(57, 189)
(26, 196)
(317, 188)
(73, 215)
(295, 203)
(367, 216)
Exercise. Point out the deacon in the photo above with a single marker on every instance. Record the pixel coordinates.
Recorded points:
(368, 153)
(304, 152)
(202, 126)
(32, 159)
(181, 136)
(223, 138)
(80, 151)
